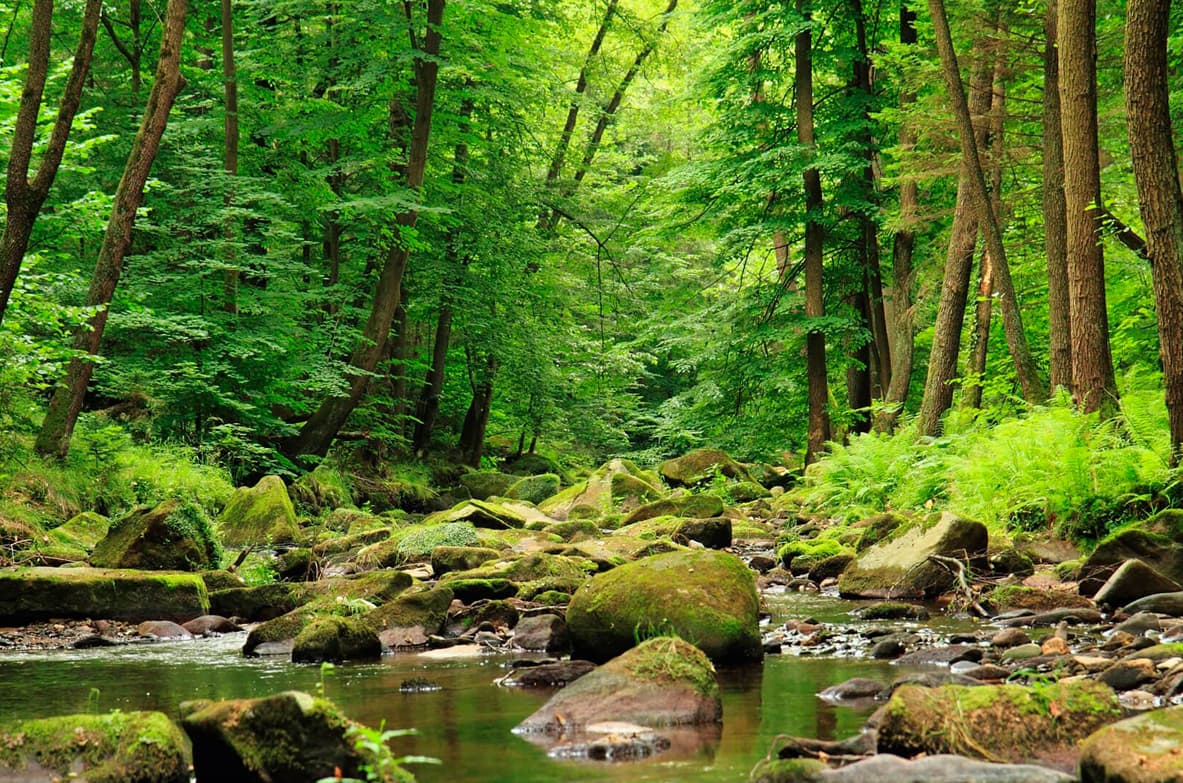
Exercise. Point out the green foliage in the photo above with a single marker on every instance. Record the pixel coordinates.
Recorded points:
(418, 542)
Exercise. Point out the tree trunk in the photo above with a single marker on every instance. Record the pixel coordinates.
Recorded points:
(1055, 214)
(1034, 388)
(24, 197)
(818, 433)
(1093, 383)
(66, 404)
(858, 373)
(902, 342)
(476, 420)
(319, 431)
(230, 80)
(1156, 171)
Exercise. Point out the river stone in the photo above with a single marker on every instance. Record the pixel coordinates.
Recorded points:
(542, 632)
(286, 738)
(547, 675)
(1022, 652)
(255, 604)
(297, 565)
(1132, 580)
(855, 688)
(886, 768)
(713, 533)
(1155, 541)
(1069, 615)
(945, 655)
(613, 741)
(1009, 723)
(694, 506)
(261, 515)
(704, 596)
(1170, 604)
(890, 610)
(1142, 749)
(163, 629)
(664, 681)
(1128, 675)
(1010, 637)
(209, 625)
(700, 466)
(336, 639)
(407, 620)
(119, 747)
(616, 487)
(37, 593)
(1139, 624)
(899, 567)
(172, 536)
(445, 559)
(484, 484)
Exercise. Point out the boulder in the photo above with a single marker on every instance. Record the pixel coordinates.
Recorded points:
(119, 747)
(84, 530)
(529, 574)
(409, 619)
(901, 566)
(1006, 598)
(163, 629)
(700, 466)
(210, 625)
(332, 638)
(1157, 542)
(713, 533)
(173, 536)
(616, 487)
(546, 632)
(698, 506)
(478, 513)
(703, 596)
(484, 484)
(1170, 604)
(886, 768)
(1142, 749)
(418, 542)
(547, 675)
(34, 594)
(445, 559)
(534, 489)
(663, 682)
(1132, 580)
(287, 738)
(255, 604)
(319, 491)
(261, 515)
(999, 722)
(297, 565)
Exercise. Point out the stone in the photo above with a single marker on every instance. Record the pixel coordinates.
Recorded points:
(712, 533)
(1010, 637)
(616, 487)
(484, 484)
(694, 506)
(701, 466)
(1132, 580)
(1009, 598)
(703, 596)
(534, 489)
(83, 530)
(256, 604)
(901, 565)
(480, 514)
(163, 629)
(888, 649)
(855, 688)
(445, 559)
(547, 675)
(34, 594)
(1142, 749)
(1155, 541)
(119, 747)
(1054, 645)
(172, 536)
(1071, 616)
(546, 632)
(890, 610)
(613, 741)
(1128, 675)
(408, 619)
(945, 655)
(297, 565)
(1170, 604)
(210, 625)
(335, 639)
(259, 516)
(664, 681)
(830, 567)
(1022, 652)
(1139, 623)
(885, 768)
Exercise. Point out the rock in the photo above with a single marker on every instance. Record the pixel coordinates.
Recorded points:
(1022, 652)
(1132, 580)
(1139, 623)
(988, 672)
(529, 574)
(662, 682)
(469, 590)
(542, 632)
(1009, 722)
(259, 516)
(856, 688)
(830, 567)
(417, 543)
(613, 741)
(407, 620)
(694, 506)
(534, 489)
(35, 594)
(888, 649)
(335, 639)
(173, 536)
(478, 513)
(1160, 652)
(209, 625)
(1012, 561)
(900, 566)
(119, 747)
(297, 565)
(1142, 749)
(445, 559)
(713, 533)
(885, 768)
(255, 604)
(1010, 637)
(548, 675)
(219, 579)
(1072, 616)
(84, 530)
(287, 738)
(701, 466)
(163, 629)
(890, 610)
(1155, 541)
(484, 484)
(1054, 645)
(1128, 675)
(616, 487)
(419, 685)
(762, 563)
(1008, 598)
(704, 596)
(945, 655)
(319, 491)
(1170, 604)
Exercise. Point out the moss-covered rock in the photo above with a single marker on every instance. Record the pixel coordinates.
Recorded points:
(469, 590)
(338, 545)
(572, 530)
(878, 527)
(802, 555)
(664, 681)
(527, 568)
(383, 554)
(120, 747)
(332, 638)
(996, 722)
(173, 536)
(446, 559)
(220, 579)
(253, 604)
(534, 489)
(616, 487)
(478, 513)
(418, 542)
(747, 491)
(34, 594)
(281, 630)
(287, 738)
(689, 506)
(901, 566)
(1157, 542)
(484, 484)
(701, 466)
(297, 565)
(83, 530)
(354, 521)
(322, 490)
(1007, 598)
(410, 618)
(706, 597)
(261, 515)
(1142, 749)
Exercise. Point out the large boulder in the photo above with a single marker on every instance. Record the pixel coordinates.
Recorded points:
(1157, 542)
(706, 597)
(1142, 749)
(254, 604)
(119, 747)
(692, 506)
(445, 559)
(616, 487)
(663, 682)
(701, 466)
(1010, 723)
(173, 536)
(484, 484)
(287, 738)
(34, 594)
(259, 516)
(333, 638)
(479, 513)
(409, 619)
(530, 574)
(902, 566)
(1132, 580)
(534, 489)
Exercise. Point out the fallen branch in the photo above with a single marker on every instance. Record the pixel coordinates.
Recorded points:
(958, 569)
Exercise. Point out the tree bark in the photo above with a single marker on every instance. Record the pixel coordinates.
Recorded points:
(1156, 171)
(1093, 382)
(818, 433)
(230, 82)
(23, 196)
(319, 431)
(66, 404)
(476, 419)
(1055, 214)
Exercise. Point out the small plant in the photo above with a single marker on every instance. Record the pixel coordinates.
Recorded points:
(378, 764)
(326, 669)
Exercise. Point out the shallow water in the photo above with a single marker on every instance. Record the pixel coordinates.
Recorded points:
(467, 723)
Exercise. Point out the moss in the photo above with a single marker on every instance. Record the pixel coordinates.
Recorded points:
(1142, 749)
(32, 594)
(749, 530)
(353, 521)
(668, 659)
(469, 590)
(427, 608)
(335, 639)
(324, 489)
(221, 580)
(552, 598)
(787, 771)
(384, 554)
(259, 515)
(534, 489)
(803, 555)
(418, 542)
(261, 602)
(573, 530)
(697, 506)
(700, 466)
(337, 545)
(1005, 598)
(84, 530)
(175, 535)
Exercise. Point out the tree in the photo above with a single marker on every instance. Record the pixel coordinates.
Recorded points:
(1156, 170)
(1055, 212)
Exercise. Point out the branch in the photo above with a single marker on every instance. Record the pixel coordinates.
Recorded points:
(1126, 235)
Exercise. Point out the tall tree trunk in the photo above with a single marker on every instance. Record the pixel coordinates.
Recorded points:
(476, 420)
(858, 372)
(133, 50)
(1156, 171)
(1055, 214)
(230, 80)
(1093, 382)
(66, 404)
(1034, 388)
(320, 430)
(818, 433)
(903, 338)
(23, 196)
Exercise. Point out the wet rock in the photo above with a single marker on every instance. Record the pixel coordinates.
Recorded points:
(1139, 624)
(1170, 604)
(1022, 652)
(261, 515)
(163, 629)
(888, 649)
(37, 593)
(1132, 580)
(830, 568)
(855, 688)
(890, 610)
(987, 672)
(703, 595)
(547, 675)
(1142, 749)
(418, 685)
(120, 747)
(255, 604)
(1007, 599)
(946, 655)
(613, 741)
(546, 632)
(1128, 675)
(172, 536)
(762, 564)
(1070, 615)
(93, 641)
(1010, 637)
(930, 680)
(662, 682)
(335, 639)
(210, 625)
(1054, 645)
(1154, 541)
(885, 768)
(410, 618)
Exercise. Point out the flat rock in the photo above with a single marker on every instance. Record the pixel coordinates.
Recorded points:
(1132, 580)
(1142, 749)
(1170, 604)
